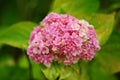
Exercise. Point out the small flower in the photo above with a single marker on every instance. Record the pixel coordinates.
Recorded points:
(62, 38)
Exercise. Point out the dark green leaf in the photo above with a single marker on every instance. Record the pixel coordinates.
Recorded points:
(13, 73)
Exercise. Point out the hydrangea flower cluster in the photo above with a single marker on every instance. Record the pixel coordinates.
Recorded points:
(62, 38)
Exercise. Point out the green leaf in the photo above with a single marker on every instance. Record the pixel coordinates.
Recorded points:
(70, 72)
(75, 72)
(88, 10)
(103, 24)
(109, 54)
(53, 72)
(107, 61)
(74, 6)
(99, 72)
(17, 35)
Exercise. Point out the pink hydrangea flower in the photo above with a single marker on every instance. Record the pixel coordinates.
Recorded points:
(62, 38)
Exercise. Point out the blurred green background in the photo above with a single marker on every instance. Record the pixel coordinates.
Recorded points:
(17, 19)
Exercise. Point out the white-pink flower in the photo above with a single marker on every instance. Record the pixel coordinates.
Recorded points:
(63, 38)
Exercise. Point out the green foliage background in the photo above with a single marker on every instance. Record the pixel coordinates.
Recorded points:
(19, 17)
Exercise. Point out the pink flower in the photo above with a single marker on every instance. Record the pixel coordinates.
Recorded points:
(63, 38)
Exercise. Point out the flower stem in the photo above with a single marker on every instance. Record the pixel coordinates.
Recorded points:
(30, 68)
